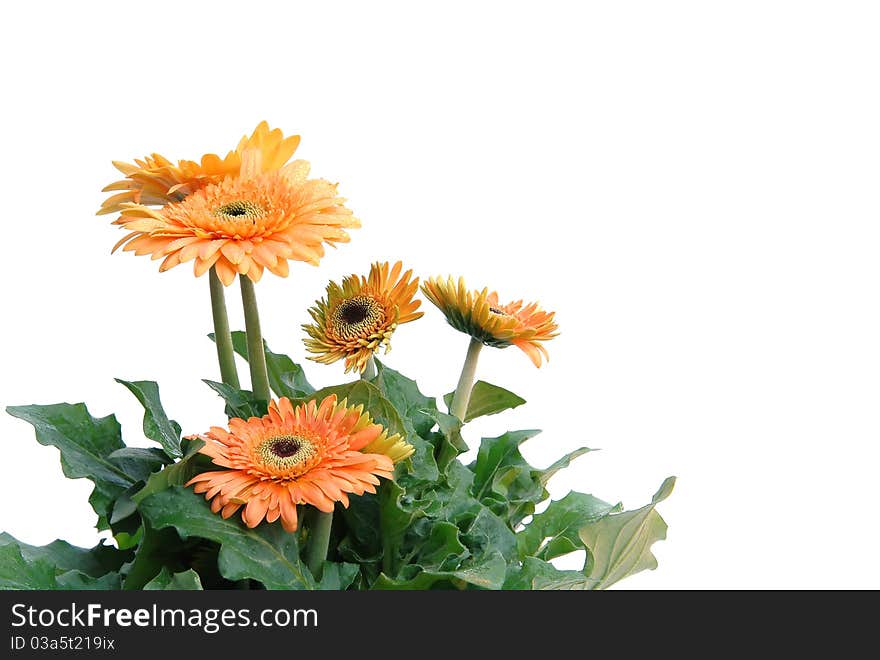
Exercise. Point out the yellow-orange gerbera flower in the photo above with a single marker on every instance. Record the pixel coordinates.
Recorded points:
(157, 181)
(312, 454)
(357, 318)
(480, 315)
(243, 224)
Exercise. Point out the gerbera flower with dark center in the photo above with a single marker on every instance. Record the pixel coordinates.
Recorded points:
(481, 315)
(357, 318)
(157, 181)
(244, 224)
(316, 453)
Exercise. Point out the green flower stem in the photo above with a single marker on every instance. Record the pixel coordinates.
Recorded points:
(319, 542)
(462, 395)
(222, 336)
(256, 355)
(370, 371)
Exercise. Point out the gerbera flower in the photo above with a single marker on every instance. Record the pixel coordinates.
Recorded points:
(243, 224)
(480, 315)
(359, 317)
(157, 181)
(312, 454)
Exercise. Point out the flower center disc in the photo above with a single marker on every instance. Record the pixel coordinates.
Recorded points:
(239, 210)
(357, 316)
(286, 453)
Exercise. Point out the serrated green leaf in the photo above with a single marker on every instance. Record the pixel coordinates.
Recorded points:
(619, 544)
(139, 463)
(487, 399)
(85, 443)
(488, 573)
(535, 574)
(239, 403)
(555, 531)
(338, 576)
(157, 549)
(30, 567)
(286, 378)
(405, 396)
(76, 581)
(547, 473)
(157, 426)
(448, 443)
(94, 562)
(267, 553)
(494, 455)
(16, 573)
(187, 580)
(489, 533)
(176, 474)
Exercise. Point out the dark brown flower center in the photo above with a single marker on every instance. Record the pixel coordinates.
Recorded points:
(286, 453)
(357, 317)
(354, 311)
(285, 447)
(239, 210)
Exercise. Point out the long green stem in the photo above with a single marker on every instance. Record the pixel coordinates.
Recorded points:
(319, 542)
(370, 370)
(462, 395)
(222, 336)
(256, 356)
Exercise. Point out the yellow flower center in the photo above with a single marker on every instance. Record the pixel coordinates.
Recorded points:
(240, 211)
(357, 317)
(287, 453)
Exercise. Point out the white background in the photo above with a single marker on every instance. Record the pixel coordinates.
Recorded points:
(692, 186)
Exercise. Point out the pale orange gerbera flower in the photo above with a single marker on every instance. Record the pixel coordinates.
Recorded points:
(156, 181)
(243, 224)
(480, 315)
(359, 317)
(312, 454)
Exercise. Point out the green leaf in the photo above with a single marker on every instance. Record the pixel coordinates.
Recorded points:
(158, 548)
(266, 553)
(187, 580)
(239, 403)
(396, 517)
(487, 399)
(447, 440)
(547, 473)
(85, 443)
(487, 573)
(286, 378)
(535, 574)
(338, 577)
(76, 581)
(157, 426)
(555, 531)
(139, 463)
(176, 474)
(405, 396)
(29, 567)
(94, 562)
(504, 481)
(619, 545)
(16, 573)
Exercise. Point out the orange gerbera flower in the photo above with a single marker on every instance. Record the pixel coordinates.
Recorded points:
(312, 454)
(480, 315)
(157, 181)
(359, 317)
(243, 224)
